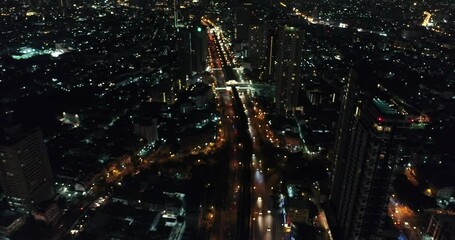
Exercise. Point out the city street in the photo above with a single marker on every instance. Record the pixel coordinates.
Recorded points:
(264, 222)
(226, 215)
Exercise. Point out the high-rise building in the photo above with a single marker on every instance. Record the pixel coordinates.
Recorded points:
(287, 72)
(257, 46)
(242, 16)
(368, 147)
(192, 41)
(261, 50)
(25, 173)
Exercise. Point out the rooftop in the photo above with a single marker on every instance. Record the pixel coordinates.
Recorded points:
(384, 107)
(7, 217)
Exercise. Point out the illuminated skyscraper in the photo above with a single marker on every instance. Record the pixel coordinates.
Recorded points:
(368, 147)
(257, 52)
(287, 72)
(25, 173)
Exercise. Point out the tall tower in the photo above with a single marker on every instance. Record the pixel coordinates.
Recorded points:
(257, 52)
(242, 18)
(192, 42)
(287, 70)
(368, 147)
(25, 172)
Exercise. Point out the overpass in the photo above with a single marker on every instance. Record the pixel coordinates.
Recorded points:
(239, 87)
(244, 86)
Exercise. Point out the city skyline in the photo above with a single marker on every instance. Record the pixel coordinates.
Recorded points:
(134, 119)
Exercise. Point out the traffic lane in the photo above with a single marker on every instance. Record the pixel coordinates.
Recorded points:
(227, 223)
(264, 227)
(262, 188)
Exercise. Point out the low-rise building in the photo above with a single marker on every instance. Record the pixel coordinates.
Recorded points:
(442, 227)
(48, 212)
(10, 222)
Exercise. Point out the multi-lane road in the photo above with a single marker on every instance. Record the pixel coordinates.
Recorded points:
(248, 211)
(225, 226)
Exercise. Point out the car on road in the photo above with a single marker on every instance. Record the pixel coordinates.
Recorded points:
(269, 229)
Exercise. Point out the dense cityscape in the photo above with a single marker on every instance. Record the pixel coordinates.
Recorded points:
(242, 119)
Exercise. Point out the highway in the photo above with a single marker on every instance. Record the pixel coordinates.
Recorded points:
(226, 219)
(251, 185)
(267, 221)
(245, 155)
(240, 150)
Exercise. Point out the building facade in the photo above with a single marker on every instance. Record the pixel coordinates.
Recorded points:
(441, 227)
(368, 147)
(25, 173)
(192, 43)
(146, 128)
(287, 72)
(257, 46)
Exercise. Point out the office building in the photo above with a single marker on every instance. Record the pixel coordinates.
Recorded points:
(25, 173)
(368, 146)
(287, 72)
(242, 16)
(257, 46)
(192, 42)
